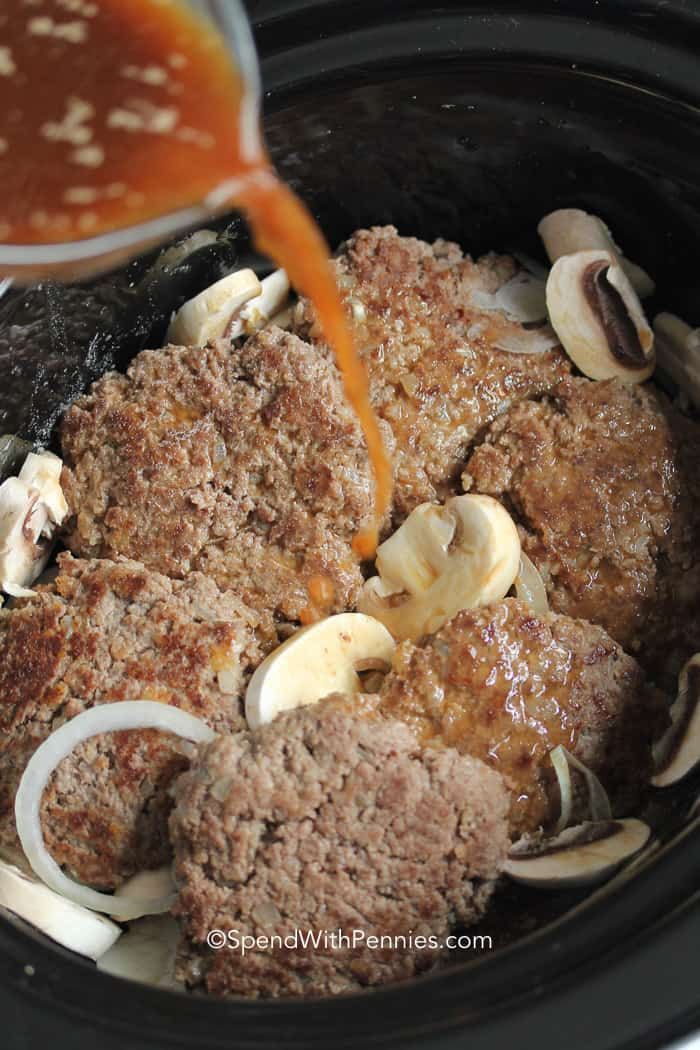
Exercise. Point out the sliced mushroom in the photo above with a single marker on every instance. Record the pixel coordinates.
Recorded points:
(678, 353)
(262, 308)
(210, 313)
(580, 856)
(326, 657)
(678, 751)
(571, 230)
(442, 559)
(598, 318)
(31, 507)
(522, 299)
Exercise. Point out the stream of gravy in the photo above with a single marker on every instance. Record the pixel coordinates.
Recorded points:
(117, 111)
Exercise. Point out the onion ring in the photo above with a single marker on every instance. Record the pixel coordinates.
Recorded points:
(107, 718)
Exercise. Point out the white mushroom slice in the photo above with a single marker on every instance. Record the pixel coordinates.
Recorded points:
(31, 506)
(210, 313)
(262, 308)
(529, 586)
(442, 559)
(67, 923)
(678, 353)
(598, 318)
(24, 550)
(580, 856)
(678, 751)
(324, 658)
(42, 472)
(522, 299)
(145, 953)
(570, 230)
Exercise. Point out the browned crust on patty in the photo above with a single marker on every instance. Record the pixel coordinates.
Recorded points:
(435, 375)
(507, 686)
(104, 632)
(246, 465)
(602, 478)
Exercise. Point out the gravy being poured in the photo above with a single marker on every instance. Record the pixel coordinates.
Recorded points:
(114, 112)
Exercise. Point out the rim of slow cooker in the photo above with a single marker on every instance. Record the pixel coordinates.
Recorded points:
(660, 902)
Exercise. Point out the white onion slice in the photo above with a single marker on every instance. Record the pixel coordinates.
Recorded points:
(527, 341)
(522, 298)
(64, 921)
(529, 586)
(598, 801)
(561, 768)
(108, 718)
(145, 953)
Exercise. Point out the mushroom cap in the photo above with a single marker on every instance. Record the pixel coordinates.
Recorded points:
(596, 314)
(316, 661)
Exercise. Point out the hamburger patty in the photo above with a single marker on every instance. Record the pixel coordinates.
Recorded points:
(435, 373)
(323, 821)
(103, 632)
(603, 480)
(243, 464)
(506, 686)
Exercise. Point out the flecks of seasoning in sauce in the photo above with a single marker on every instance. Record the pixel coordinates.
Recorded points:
(117, 111)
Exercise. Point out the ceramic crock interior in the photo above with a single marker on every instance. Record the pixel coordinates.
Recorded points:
(468, 136)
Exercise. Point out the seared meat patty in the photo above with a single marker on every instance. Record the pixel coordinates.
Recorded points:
(103, 632)
(436, 375)
(247, 465)
(506, 686)
(323, 821)
(603, 480)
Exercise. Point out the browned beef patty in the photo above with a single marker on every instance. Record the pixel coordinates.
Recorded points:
(324, 821)
(436, 375)
(603, 479)
(247, 465)
(104, 632)
(506, 686)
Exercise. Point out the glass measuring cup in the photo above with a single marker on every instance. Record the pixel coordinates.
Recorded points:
(80, 258)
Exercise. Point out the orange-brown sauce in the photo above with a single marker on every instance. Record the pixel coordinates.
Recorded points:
(117, 111)
(498, 687)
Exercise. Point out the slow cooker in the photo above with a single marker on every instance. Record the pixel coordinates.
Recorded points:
(468, 121)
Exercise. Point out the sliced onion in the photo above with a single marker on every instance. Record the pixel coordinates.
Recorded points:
(529, 586)
(527, 341)
(108, 718)
(522, 298)
(598, 801)
(145, 953)
(561, 768)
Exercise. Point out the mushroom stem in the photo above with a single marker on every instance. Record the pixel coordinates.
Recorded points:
(678, 751)
(570, 230)
(596, 314)
(678, 353)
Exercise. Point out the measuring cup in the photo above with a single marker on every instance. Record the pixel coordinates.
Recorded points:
(79, 259)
